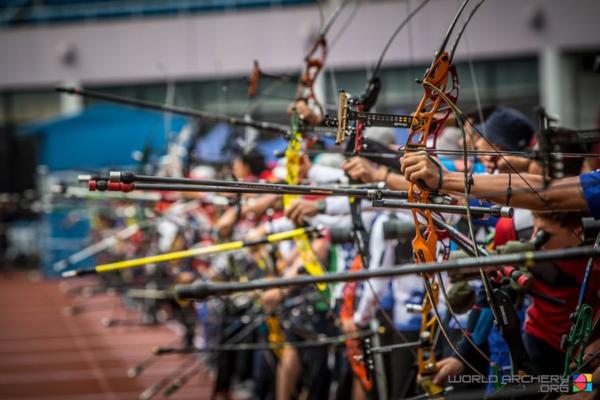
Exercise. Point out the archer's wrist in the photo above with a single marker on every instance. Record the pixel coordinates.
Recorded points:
(382, 174)
(453, 181)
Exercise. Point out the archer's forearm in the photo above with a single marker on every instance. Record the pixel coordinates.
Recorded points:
(396, 181)
(526, 191)
(258, 206)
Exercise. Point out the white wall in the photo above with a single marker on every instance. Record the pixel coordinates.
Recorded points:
(216, 44)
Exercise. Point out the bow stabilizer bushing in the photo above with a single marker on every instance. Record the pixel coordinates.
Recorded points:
(127, 177)
(114, 176)
(197, 291)
(122, 176)
(119, 187)
(99, 185)
(502, 211)
(78, 272)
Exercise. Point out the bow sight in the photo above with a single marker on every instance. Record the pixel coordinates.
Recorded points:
(347, 117)
(556, 144)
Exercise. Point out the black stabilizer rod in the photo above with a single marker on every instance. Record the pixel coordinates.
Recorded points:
(203, 115)
(476, 211)
(247, 187)
(201, 290)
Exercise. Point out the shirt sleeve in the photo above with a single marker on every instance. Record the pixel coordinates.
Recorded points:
(339, 221)
(590, 185)
(382, 253)
(337, 205)
(281, 224)
(325, 174)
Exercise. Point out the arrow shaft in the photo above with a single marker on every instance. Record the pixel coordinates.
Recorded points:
(217, 248)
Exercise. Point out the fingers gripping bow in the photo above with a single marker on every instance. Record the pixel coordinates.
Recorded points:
(440, 78)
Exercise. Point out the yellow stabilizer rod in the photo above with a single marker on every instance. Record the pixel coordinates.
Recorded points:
(177, 255)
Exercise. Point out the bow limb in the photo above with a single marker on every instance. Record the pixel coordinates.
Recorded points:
(436, 93)
(275, 334)
(432, 297)
(425, 241)
(582, 326)
(519, 356)
(360, 236)
(354, 146)
(309, 261)
(293, 158)
(437, 73)
(353, 345)
(314, 63)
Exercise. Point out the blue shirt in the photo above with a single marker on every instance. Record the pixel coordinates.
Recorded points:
(590, 185)
(452, 165)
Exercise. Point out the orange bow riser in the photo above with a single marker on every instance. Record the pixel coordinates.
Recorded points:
(429, 114)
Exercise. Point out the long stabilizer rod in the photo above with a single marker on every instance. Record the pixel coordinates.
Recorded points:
(198, 251)
(201, 290)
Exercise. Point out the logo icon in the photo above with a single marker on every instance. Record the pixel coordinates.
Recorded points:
(582, 383)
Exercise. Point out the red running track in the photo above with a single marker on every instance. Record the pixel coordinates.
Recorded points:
(46, 354)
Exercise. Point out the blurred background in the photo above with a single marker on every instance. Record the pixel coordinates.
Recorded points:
(200, 53)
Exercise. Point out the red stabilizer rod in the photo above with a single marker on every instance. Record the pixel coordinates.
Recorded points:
(512, 273)
(110, 186)
(520, 278)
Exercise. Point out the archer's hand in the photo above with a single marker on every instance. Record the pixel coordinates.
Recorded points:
(590, 351)
(305, 165)
(420, 168)
(305, 112)
(301, 209)
(254, 235)
(447, 367)
(225, 223)
(361, 169)
(348, 326)
(270, 298)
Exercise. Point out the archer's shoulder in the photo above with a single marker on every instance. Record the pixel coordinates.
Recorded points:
(595, 173)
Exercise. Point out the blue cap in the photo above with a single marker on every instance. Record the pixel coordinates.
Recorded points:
(508, 128)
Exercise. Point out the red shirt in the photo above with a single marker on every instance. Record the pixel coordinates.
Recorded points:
(548, 321)
(545, 320)
(505, 231)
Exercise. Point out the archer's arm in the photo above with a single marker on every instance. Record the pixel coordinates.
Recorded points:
(365, 171)
(527, 189)
(256, 207)
(396, 181)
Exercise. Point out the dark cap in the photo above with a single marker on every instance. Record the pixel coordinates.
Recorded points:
(508, 128)
(254, 159)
